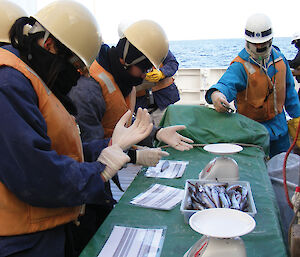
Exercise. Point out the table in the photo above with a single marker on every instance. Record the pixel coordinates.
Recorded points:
(204, 126)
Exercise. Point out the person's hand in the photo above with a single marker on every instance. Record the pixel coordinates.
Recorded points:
(296, 72)
(170, 136)
(114, 158)
(219, 100)
(154, 76)
(140, 129)
(149, 156)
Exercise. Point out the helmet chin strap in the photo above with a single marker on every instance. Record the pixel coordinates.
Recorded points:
(125, 52)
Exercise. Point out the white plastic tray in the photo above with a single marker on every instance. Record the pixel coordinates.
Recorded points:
(188, 213)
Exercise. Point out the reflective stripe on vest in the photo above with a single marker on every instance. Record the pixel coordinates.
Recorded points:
(16, 216)
(262, 100)
(115, 104)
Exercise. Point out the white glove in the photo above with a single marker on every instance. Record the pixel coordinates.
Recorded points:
(149, 156)
(114, 158)
(140, 129)
(170, 136)
(218, 98)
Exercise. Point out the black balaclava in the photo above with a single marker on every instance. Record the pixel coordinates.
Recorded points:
(122, 77)
(3, 44)
(297, 44)
(54, 69)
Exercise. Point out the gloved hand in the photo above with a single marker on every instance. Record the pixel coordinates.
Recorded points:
(114, 158)
(218, 98)
(154, 76)
(170, 136)
(140, 129)
(149, 156)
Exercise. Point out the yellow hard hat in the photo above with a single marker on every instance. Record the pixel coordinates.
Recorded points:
(9, 13)
(74, 26)
(150, 39)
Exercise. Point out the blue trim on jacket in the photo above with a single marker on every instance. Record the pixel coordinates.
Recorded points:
(235, 80)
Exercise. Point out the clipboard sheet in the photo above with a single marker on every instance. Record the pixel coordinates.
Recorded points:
(159, 197)
(174, 170)
(134, 242)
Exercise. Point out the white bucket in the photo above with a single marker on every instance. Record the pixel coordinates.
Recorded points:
(275, 166)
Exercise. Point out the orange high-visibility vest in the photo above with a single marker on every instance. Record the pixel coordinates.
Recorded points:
(116, 104)
(262, 100)
(168, 81)
(16, 216)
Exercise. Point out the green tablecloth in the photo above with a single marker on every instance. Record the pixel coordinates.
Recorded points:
(204, 126)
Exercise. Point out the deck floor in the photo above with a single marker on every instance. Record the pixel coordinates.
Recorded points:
(126, 176)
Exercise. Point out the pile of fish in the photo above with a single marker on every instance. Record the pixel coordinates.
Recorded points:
(217, 195)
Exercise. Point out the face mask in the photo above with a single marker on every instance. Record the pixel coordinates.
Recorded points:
(122, 77)
(57, 72)
(259, 54)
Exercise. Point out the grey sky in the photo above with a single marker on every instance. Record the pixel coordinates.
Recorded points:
(189, 19)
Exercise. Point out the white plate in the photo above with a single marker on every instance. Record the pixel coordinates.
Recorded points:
(223, 148)
(222, 222)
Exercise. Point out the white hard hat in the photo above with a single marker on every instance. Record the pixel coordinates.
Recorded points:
(258, 28)
(9, 13)
(74, 26)
(150, 39)
(123, 25)
(296, 37)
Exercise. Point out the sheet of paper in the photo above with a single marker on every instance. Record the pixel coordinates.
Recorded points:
(159, 197)
(174, 169)
(133, 242)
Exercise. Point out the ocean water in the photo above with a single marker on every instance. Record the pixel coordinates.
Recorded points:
(213, 53)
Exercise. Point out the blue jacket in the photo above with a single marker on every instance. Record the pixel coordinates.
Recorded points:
(166, 96)
(30, 169)
(235, 80)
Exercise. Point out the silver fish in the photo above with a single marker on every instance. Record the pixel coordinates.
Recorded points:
(165, 166)
(238, 197)
(215, 196)
(223, 199)
(244, 193)
(234, 202)
(207, 200)
(244, 204)
(234, 187)
(207, 191)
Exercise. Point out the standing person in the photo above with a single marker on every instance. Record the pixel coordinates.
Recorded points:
(44, 181)
(261, 83)
(163, 91)
(103, 98)
(117, 70)
(295, 63)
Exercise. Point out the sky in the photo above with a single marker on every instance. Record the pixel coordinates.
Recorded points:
(187, 19)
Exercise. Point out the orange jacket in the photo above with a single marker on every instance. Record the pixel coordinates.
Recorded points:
(16, 216)
(262, 99)
(116, 104)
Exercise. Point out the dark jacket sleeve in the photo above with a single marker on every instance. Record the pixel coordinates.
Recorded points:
(295, 63)
(29, 168)
(170, 65)
(92, 149)
(88, 99)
